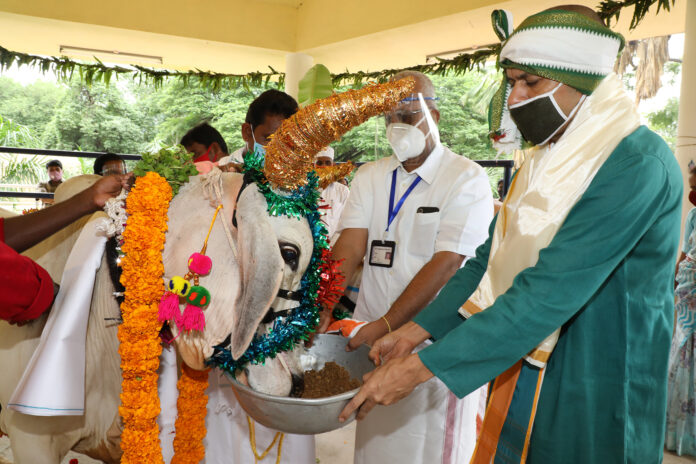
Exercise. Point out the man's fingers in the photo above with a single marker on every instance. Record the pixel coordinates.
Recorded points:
(354, 342)
(374, 354)
(400, 349)
(352, 406)
(364, 409)
(367, 376)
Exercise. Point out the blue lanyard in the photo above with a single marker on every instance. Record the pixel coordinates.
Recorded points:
(392, 210)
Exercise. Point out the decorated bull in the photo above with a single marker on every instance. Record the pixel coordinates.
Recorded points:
(267, 250)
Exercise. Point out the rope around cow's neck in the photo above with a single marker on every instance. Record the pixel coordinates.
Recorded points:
(212, 187)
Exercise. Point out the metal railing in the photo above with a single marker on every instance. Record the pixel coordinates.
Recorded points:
(72, 154)
(51, 153)
(506, 165)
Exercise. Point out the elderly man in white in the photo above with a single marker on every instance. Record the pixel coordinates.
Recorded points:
(414, 217)
(334, 196)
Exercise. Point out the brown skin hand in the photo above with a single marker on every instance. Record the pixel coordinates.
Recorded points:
(387, 385)
(22, 232)
(351, 247)
(419, 292)
(526, 86)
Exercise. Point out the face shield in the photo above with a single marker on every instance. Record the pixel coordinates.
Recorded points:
(404, 136)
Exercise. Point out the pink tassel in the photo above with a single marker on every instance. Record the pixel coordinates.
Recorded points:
(192, 318)
(168, 307)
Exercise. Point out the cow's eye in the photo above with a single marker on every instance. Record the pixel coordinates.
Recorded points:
(290, 254)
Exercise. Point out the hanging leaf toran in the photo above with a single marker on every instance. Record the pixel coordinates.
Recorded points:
(65, 68)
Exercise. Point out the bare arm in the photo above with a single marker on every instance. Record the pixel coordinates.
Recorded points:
(22, 232)
(350, 247)
(419, 292)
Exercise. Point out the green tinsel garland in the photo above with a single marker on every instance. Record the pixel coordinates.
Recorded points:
(286, 332)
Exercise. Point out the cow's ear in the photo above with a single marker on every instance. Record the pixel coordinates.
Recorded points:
(261, 268)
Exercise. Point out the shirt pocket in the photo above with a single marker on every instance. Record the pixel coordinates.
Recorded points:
(425, 226)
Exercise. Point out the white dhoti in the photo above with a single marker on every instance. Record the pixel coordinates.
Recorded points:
(227, 440)
(168, 394)
(431, 426)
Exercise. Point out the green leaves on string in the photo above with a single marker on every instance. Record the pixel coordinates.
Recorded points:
(64, 68)
(89, 73)
(609, 10)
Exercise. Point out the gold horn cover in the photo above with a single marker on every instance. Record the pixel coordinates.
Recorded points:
(290, 153)
(330, 174)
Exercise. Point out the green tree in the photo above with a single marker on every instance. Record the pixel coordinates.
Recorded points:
(17, 168)
(176, 108)
(664, 121)
(97, 118)
(32, 105)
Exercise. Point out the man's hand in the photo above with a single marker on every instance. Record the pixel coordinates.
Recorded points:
(398, 343)
(324, 321)
(387, 384)
(108, 187)
(231, 167)
(368, 334)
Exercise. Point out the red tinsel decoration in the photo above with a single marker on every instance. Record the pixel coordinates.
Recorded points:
(331, 287)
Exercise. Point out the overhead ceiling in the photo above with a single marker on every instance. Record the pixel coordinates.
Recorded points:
(239, 36)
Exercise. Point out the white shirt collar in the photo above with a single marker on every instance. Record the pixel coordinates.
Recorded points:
(428, 169)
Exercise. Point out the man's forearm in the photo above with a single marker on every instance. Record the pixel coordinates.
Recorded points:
(423, 287)
(350, 248)
(22, 232)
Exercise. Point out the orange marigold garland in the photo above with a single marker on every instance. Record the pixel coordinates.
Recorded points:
(190, 422)
(140, 347)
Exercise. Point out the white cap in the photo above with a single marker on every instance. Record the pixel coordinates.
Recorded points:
(327, 152)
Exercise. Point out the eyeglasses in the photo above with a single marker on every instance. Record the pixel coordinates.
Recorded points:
(113, 171)
(407, 116)
(410, 117)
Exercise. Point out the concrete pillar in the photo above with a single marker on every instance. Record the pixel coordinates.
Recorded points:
(686, 127)
(296, 66)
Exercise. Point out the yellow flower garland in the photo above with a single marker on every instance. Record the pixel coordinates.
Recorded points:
(140, 346)
(190, 421)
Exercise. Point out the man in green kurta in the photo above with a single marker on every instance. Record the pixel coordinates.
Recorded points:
(569, 303)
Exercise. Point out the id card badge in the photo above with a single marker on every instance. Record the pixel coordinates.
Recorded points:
(382, 253)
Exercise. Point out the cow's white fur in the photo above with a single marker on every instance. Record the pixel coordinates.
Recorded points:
(45, 440)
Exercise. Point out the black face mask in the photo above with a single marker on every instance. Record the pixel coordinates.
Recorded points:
(540, 118)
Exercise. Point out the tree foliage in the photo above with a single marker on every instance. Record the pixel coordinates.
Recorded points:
(97, 118)
(19, 169)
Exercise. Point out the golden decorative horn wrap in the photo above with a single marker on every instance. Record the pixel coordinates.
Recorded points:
(330, 174)
(290, 153)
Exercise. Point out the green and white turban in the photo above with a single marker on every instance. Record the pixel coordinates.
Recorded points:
(561, 45)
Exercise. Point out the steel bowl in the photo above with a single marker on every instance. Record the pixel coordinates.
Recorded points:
(308, 416)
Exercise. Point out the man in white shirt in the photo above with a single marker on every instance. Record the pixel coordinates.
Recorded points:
(414, 217)
(334, 196)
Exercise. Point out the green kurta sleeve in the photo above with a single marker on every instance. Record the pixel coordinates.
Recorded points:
(441, 315)
(624, 199)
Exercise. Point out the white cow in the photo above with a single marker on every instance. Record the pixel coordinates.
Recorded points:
(273, 254)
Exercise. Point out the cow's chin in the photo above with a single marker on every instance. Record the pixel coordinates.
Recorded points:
(193, 350)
